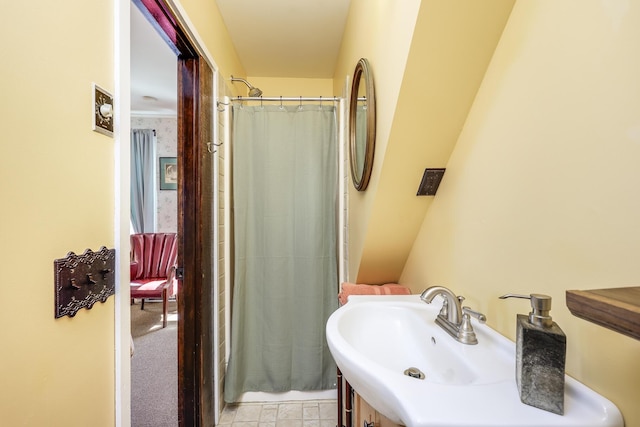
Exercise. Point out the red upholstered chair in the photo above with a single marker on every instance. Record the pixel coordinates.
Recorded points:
(153, 268)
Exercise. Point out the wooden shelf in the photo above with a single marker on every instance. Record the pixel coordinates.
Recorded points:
(616, 308)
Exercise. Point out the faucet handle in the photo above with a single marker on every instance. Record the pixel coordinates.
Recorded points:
(481, 317)
(444, 310)
(466, 334)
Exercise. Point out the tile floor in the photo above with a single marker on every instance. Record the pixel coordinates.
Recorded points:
(308, 413)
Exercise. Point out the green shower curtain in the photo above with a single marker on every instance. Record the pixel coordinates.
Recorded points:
(285, 278)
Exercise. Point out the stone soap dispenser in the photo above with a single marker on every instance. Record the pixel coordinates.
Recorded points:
(541, 349)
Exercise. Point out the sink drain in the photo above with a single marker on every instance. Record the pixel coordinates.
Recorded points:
(414, 373)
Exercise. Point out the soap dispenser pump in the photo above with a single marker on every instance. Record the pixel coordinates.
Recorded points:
(541, 349)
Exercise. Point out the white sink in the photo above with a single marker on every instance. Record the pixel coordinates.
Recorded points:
(374, 339)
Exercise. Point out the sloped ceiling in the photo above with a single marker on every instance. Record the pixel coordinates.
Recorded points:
(451, 49)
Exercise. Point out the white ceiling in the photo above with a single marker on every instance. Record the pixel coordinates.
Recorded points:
(276, 38)
(154, 69)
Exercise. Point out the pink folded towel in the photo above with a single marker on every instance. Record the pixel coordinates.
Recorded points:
(360, 289)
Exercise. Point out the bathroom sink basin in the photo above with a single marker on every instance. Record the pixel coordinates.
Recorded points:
(375, 339)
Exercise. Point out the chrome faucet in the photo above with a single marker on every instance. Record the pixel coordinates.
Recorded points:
(451, 309)
(454, 318)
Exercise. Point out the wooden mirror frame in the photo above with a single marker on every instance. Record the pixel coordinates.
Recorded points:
(362, 76)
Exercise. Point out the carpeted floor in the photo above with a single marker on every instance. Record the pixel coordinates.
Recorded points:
(154, 366)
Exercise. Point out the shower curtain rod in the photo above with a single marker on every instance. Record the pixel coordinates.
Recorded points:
(287, 99)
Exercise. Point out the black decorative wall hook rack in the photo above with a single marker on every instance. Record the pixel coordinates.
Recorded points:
(81, 280)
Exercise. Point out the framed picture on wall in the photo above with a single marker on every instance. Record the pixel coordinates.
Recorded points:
(168, 173)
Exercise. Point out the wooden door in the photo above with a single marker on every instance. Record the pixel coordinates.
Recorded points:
(195, 218)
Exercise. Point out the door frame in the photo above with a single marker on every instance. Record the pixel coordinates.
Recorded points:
(195, 387)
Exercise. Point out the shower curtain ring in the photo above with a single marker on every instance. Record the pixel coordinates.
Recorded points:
(321, 102)
(281, 106)
(300, 106)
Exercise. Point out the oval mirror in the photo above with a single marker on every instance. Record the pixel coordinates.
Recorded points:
(362, 125)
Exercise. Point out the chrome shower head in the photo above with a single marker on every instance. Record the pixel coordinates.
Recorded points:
(253, 91)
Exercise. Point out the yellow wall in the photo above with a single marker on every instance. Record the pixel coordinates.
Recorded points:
(443, 72)
(206, 19)
(380, 31)
(288, 87)
(57, 196)
(541, 191)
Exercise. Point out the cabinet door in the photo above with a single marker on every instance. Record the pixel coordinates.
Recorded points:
(364, 412)
(383, 421)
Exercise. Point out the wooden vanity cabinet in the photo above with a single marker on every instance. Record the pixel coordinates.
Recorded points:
(365, 413)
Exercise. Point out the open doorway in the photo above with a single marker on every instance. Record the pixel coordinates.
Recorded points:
(195, 232)
(154, 148)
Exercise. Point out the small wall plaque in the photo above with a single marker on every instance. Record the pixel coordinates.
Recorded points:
(102, 111)
(81, 280)
(430, 181)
